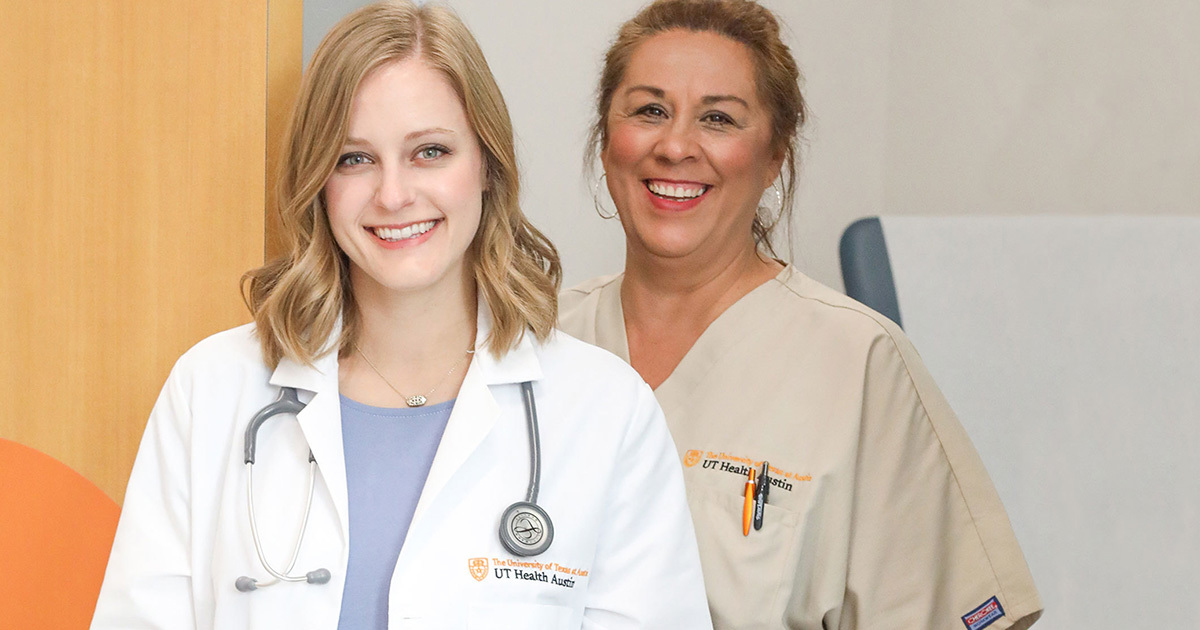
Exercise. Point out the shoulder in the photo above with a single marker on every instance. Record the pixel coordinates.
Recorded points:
(801, 296)
(797, 315)
(895, 383)
(588, 287)
(587, 383)
(230, 355)
(583, 298)
(565, 357)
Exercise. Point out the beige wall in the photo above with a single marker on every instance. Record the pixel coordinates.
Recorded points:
(938, 107)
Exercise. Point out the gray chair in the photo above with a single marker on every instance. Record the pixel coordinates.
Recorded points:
(866, 269)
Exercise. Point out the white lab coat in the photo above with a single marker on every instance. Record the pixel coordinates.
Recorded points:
(611, 482)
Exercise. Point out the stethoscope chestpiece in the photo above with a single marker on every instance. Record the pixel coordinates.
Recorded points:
(526, 529)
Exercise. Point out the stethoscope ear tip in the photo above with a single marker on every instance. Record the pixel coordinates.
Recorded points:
(246, 584)
(320, 576)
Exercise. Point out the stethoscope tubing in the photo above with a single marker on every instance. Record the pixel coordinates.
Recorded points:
(285, 575)
(535, 443)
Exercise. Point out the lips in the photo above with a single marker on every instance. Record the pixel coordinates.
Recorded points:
(405, 235)
(676, 191)
(674, 195)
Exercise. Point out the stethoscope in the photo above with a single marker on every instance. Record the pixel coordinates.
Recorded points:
(525, 528)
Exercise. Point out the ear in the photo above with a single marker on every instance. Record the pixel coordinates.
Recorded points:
(603, 156)
(774, 168)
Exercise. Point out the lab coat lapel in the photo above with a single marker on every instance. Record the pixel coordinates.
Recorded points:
(321, 421)
(473, 417)
(476, 410)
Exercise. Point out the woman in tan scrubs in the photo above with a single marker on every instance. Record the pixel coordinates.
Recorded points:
(879, 512)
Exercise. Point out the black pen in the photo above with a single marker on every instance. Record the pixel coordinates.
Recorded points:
(760, 498)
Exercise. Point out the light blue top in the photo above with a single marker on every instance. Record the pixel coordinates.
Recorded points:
(388, 456)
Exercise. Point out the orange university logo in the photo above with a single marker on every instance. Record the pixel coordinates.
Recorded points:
(479, 568)
(691, 458)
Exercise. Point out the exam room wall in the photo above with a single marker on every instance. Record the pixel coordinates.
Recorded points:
(919, 107)
(136, 138)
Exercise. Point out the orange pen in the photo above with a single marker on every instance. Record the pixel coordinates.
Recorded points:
(748, 509)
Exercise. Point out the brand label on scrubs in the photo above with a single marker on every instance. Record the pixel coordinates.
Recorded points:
(526, 571)
(983, 616)
(720, 461)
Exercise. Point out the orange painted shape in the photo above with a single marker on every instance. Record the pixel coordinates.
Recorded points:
(56, 530)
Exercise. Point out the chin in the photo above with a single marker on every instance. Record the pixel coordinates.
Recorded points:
(415, 280)
(670, 247)
(667, 243)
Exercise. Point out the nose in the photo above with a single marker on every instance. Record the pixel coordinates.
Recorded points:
(395, 189)
(678, 142)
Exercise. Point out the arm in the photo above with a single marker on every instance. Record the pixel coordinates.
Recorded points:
(647, 568)
(148, 580)
(929, 539)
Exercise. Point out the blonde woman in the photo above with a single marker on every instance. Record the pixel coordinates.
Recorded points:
(469, 467)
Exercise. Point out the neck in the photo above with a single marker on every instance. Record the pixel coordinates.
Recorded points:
(416, 328)
(413, 340)
(668, 303)
(690, 289)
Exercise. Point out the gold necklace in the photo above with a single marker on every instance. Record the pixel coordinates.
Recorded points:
(415, 400)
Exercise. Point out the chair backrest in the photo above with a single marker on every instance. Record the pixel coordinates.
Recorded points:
(1070, 349)
(56, 530)
(867, 269)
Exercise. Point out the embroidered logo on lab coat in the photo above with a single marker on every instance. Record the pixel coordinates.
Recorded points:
(692, 458)
(479, 568)
(551, 573)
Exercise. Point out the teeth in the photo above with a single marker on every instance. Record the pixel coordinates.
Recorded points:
(408, 231)
(675, 192)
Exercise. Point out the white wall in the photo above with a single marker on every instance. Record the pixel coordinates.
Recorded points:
(920, 107)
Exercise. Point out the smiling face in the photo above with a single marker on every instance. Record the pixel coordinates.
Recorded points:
(405, 198)
(688, 150)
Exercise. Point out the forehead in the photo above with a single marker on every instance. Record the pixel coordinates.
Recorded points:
(695, 62)
(406, 95)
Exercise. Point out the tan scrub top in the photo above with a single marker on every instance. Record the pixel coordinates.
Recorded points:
(880, 512)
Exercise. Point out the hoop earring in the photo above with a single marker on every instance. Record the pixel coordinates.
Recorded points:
(777, 210)
(596, 199)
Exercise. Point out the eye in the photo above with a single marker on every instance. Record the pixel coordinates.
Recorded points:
(353, 159)
(652, 110)
(720, 119)
(432, 152)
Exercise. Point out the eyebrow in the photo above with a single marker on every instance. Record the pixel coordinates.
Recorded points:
(428, 132)
(413, 135)
(707, 100)
(724, 98)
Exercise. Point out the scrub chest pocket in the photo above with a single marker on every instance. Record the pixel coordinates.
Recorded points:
(744, 574)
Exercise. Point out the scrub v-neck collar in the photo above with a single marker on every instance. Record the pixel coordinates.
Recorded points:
(722, 335)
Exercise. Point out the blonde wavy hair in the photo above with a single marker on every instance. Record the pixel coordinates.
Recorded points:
(296, 300)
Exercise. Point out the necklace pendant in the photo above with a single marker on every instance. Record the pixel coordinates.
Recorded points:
(416, 401)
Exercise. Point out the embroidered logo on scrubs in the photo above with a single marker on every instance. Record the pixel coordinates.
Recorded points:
(720, 461)
(479, 568)
(983, 616)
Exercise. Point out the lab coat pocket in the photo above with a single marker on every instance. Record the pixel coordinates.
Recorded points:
(742, 574)
(512, 616)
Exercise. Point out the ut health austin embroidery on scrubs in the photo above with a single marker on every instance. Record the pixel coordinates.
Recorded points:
(388, 456)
